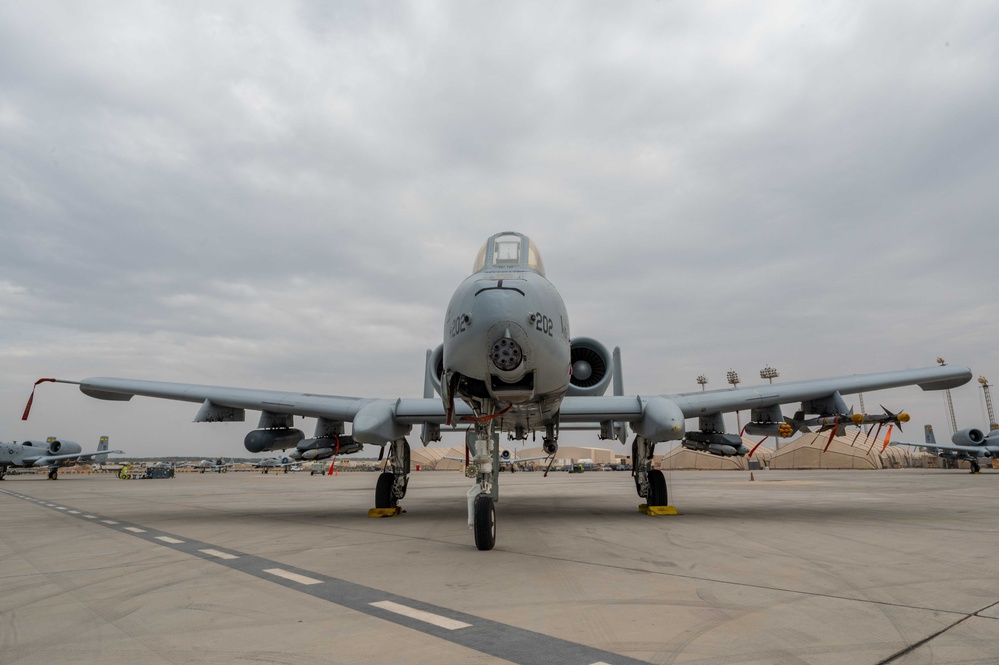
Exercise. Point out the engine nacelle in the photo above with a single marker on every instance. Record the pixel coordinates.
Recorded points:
(592, 367)
(57, 447)
(435, 369)
(968, 437)
(279, 438)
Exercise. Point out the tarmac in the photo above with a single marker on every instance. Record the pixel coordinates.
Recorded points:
(789, 567)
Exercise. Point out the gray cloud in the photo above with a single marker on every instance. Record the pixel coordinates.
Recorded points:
(285, 195)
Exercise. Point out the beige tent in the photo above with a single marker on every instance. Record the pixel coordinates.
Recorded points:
(431, 459)
(806, 452)
(683, 458)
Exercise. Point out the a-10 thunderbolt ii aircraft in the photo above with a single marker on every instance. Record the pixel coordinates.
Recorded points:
(269, 463)
(508, 364)
(53, 452)
(218, 466)
(967, 444)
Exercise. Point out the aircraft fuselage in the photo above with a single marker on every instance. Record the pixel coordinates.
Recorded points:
(506, 343)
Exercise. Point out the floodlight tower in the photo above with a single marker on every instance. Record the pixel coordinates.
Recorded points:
(702, 381)
(988, 402)
(770, 373)
(733, 378)
(950, 403)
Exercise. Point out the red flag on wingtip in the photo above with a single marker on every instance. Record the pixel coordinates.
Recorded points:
(31, 397)
(887, 438)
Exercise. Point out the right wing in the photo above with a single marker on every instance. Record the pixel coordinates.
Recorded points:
(973, 451)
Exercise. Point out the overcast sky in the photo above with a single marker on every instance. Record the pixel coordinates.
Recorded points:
(284, 195)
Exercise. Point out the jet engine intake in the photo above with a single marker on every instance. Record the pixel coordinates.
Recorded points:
(54, 447)
(279, 438)
(968, 437)
(592, 367)
(435, 368)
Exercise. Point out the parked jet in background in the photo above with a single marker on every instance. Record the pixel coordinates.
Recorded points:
(275, 463)
(218, 466)
(53, 453)
(506, 457)
(507, 363)
(968, 444)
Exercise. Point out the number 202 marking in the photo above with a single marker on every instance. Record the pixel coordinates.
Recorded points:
(543, 324)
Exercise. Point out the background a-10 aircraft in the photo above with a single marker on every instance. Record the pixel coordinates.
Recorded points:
(508, 363)
(967, 444)
(53, 452)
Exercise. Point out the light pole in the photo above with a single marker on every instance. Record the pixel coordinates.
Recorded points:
(702, 381)
(950, 403)
(733, 378)
(769, 373)
(988, 402)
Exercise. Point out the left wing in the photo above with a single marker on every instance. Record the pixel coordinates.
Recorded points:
(48, 459)
(655, 417)
(658, 417)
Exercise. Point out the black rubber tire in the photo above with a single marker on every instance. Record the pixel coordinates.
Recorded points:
(384, 497)
(657, 489)
(485, 522)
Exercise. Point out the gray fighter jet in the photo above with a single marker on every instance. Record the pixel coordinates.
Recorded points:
(217, 466)
(968, 444)
(53, 452)
(509, 364)
(269, 463)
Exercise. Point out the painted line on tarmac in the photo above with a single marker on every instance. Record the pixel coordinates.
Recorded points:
(294, 577)
(420, 615)
(516, 645)
(168, 539)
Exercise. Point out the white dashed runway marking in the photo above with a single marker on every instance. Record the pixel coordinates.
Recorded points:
(294, 577)
(420, 615)
(168, 539)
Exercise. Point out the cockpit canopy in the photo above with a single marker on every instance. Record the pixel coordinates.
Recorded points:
(509, 251)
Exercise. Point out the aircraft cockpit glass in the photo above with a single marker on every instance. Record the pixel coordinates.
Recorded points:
(509, 251)
(506, 252)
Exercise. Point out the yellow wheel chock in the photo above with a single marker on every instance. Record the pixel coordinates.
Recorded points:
(657, 510)
(384, 512)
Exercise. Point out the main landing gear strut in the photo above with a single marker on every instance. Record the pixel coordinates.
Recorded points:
(391, 486)
(650, 483)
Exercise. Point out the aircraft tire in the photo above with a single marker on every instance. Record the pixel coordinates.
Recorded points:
(657, 488)
(485, 522)
(384, 497)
